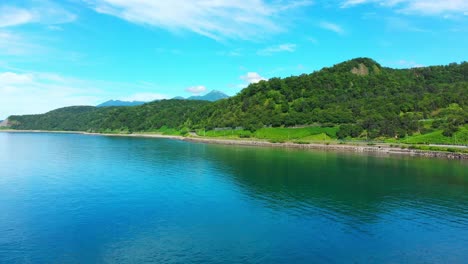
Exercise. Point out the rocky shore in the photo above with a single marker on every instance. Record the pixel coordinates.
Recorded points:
(377, 149)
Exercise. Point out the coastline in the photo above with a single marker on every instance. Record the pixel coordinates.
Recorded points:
(380, 149)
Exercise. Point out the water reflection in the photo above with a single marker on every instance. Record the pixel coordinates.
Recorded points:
(86, 199)
(351, 185)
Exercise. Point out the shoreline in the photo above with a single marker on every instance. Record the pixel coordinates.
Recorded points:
(379, 149)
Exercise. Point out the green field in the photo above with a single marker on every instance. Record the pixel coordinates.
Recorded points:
(328, 134)
(436, 137)
(309, 134)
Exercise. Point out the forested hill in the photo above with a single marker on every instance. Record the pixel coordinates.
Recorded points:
(146, 117)
(383, 101)
(359, 95)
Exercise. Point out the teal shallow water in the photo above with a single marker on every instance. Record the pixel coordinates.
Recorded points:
(91, 199)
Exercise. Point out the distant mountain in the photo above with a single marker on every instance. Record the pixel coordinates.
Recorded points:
(211, 96)
(120, 103)
(4, 123)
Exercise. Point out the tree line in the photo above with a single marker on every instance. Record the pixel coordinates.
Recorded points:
(360, 95)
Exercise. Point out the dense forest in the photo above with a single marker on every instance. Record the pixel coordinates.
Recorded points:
(360, 96)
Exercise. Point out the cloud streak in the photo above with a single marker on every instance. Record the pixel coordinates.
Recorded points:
(39, 92)
(196, 89)
(216, 19)
(44, 13)
(421, 7)
(144, 97)
(12, 16)
(332, 27)
(32, 93)
(288, 47)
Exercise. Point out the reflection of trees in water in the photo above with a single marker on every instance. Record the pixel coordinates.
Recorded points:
(345, 184)
(329, 184)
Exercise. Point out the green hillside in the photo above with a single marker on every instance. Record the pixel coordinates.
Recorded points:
(148, 117)
(357, 99)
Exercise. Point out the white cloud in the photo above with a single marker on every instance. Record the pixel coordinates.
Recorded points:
(144, 97)
(400, 24)
(196, 89)
(12, 16)
(39, 12)
(230, 53)
(32, 93)
(38, 92)
(44, 13)
(409, 64)
(422, 7)
(332, 27)
(252, 77)
(288, 47)
(11, 78)
(216, 19)
(15, 44)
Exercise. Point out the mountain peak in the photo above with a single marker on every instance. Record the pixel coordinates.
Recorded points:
(212, 96)
(215, 92)
(359, 66)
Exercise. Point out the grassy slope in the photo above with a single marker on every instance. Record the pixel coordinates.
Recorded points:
(309, 134)
(460, 138)
(328, 134)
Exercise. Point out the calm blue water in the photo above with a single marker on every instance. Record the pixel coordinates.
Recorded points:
(91, 199)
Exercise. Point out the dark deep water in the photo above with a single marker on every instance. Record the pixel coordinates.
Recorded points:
(90, 199)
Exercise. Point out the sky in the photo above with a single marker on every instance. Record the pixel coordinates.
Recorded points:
(84, 52)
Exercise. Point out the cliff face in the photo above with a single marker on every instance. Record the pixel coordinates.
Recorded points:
(4, 123)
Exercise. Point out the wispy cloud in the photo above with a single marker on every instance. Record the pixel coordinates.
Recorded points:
(196, 89)
(144, 97)
(25, 92)
(12, 16)
(422, 7)
(15, 44)
(39, 12)
(408, 64)
(287, 47)
(216, 19)
(32, 93)
(401, 24)
(230, 53)
(332, 27)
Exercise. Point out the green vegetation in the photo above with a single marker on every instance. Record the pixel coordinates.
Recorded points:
(459, 137)
(438, 148)
(358, 100)
(152, 117)
(303, 134)
(289, 134)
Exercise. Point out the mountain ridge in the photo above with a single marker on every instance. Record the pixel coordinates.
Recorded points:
(120, 103)
(359, 95)
(212, 96)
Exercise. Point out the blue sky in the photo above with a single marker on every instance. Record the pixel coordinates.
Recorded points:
(83, 52)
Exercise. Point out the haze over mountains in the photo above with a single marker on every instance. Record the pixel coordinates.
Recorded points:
(120, 103)
(211, 96)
